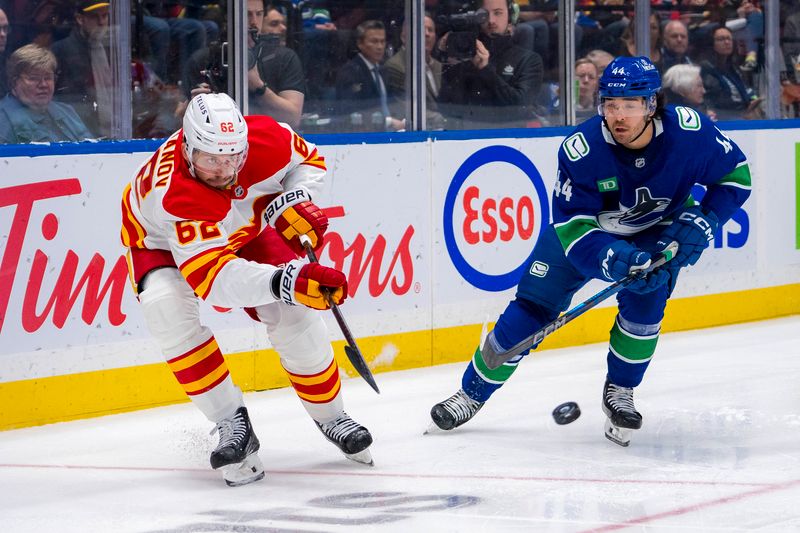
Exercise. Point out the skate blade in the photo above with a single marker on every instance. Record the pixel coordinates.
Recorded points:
(433, 429)
(363, 457)
(618, 435)
(248, 471)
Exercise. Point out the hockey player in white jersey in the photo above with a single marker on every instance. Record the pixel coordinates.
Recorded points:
(217, 213)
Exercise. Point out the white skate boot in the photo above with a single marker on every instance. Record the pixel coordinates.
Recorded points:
(458, 409)
(350, 437)
(237, 451)
(622, 415)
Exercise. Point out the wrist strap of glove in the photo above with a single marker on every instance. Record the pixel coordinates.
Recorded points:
(283, 282)
(284, 201)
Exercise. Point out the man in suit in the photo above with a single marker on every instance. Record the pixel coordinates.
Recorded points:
(361, 91)
(396, 76)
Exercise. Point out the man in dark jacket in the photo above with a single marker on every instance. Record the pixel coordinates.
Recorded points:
(85, 81)
(498, 85)
(361, 90)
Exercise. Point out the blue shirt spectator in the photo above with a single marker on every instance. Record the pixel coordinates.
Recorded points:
(28, 113)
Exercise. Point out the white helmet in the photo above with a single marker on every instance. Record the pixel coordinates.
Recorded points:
(213, 124)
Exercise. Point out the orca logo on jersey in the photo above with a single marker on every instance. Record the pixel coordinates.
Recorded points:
(495, 209)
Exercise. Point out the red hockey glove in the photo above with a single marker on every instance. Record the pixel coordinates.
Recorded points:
(293, 214)
(309, 284)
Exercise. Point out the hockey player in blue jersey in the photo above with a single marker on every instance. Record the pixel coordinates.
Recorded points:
(622, 196)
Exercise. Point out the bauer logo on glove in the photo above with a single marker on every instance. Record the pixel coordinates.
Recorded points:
(293, 214)
(309, 284)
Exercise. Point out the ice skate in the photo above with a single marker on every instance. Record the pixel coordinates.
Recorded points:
(453, 412)
(622, 415)
(350, 437)
(237, 452)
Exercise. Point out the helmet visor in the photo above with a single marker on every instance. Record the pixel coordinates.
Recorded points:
(623, 107)
(218, 163)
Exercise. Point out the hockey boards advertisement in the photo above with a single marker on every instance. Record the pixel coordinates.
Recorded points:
(433, 237)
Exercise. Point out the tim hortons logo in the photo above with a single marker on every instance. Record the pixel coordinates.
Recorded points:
(66, 290)
(102, 280)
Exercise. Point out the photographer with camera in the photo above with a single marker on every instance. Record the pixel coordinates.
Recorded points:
(487, 81)
(275, 75)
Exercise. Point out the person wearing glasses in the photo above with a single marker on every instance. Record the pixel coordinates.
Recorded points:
(28, 113)
(5, 29)
(623, 195)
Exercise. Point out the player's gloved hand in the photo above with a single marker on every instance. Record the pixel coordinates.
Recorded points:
(621, 258)
(309, 284)
(293, 214)
(693, 230)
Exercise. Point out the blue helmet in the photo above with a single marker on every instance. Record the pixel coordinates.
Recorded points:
(630, 76)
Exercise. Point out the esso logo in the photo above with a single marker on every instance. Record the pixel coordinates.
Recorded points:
(495, 209)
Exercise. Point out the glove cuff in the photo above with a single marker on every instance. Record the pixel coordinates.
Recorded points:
(283, 282)
(284, 201)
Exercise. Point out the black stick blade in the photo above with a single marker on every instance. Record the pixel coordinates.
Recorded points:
(361, 366)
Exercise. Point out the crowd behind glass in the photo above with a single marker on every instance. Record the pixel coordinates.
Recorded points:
(344, 65)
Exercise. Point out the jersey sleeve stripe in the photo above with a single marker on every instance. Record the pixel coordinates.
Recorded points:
(740, 177)
(315, 160)
(203, 288)
(201, 260)
(133, 233)
(575, 229)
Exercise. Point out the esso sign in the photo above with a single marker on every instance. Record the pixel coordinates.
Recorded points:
(495, 209)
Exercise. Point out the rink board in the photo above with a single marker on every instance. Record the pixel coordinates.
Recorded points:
(432, 234)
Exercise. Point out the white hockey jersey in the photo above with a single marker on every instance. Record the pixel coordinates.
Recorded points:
(166, 208)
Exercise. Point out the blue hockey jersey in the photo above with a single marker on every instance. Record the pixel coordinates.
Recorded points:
(605, 192)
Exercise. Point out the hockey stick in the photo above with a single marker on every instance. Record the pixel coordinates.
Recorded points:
(351, 348)
(494, 359)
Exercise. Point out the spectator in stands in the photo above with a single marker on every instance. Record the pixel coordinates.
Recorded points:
(87, 82)
(275, 77)
(600, 58)
(628, 40)
(791, 46)
(5, 29)
(587, 75)
(276, 82)
(28, 113)
(361, 92)
(683, 85)
(167, 25)
(726, 91)
(396, 68)
(319, 46)
(676, 46)
(498, 85)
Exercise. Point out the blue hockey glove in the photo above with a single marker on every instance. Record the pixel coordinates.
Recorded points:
(621, 258)
(693, 230)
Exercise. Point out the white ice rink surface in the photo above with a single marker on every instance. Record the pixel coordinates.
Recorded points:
(719, 451)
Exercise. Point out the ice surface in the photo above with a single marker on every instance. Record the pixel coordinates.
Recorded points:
(719, 451)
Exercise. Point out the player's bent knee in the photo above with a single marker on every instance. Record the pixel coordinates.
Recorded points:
(299, 335)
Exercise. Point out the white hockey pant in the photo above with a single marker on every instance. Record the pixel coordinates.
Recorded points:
(172, 313)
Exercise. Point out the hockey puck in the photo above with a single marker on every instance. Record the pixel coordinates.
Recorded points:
(566, 413)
